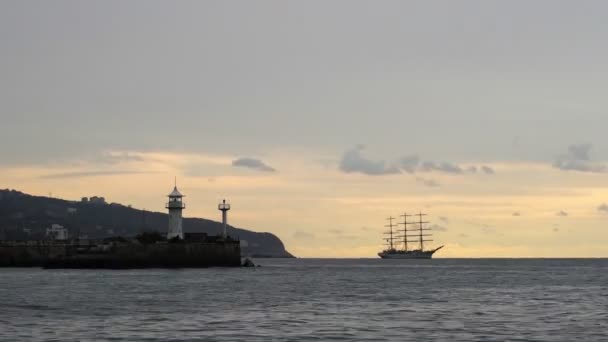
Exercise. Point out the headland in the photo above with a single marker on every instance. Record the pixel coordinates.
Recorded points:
(54, 233)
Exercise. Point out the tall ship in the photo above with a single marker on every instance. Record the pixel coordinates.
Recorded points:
(408, 243)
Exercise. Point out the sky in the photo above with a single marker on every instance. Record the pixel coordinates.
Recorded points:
(317, 120)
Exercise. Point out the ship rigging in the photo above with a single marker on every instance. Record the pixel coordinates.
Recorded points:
(416, 236)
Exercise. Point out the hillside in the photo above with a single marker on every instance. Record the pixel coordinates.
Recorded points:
(24, 217)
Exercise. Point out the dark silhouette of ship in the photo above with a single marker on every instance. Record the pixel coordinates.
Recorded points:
(411, 236)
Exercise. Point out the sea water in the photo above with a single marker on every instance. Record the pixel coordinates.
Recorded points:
(313, 300)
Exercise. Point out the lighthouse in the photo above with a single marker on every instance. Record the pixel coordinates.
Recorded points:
(175, 206)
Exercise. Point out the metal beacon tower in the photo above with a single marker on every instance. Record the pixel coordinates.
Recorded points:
(175, 206)
(224, 207)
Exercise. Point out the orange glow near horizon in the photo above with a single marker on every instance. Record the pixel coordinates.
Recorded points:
(320, 212)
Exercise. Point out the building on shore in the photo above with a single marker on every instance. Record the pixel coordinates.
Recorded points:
(57, 232)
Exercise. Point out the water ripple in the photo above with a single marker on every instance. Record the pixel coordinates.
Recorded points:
(313, 300)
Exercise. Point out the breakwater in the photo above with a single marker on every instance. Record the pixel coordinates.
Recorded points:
(120, 254)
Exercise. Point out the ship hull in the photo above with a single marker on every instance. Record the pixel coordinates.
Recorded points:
(406, 255)
(416, 254)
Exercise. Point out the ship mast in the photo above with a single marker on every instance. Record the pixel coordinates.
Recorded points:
(421, 229)
(390, 225)
(405, 223)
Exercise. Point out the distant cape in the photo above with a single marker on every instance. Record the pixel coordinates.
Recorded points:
(24, 217)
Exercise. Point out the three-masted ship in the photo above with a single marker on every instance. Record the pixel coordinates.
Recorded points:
(400, 242)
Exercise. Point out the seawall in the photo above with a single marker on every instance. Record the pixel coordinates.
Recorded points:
(53, 254)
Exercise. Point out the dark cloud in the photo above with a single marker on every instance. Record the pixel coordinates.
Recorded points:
(444, 219)
(353, 162)
(487, 170)
(409, 163)
(516, 213)
(451, 168)
(578, 159)
(427, 182)
(252, 163)
(603, 208)
(444, 167)
(82, 174)
(580, 152)
(561, 213)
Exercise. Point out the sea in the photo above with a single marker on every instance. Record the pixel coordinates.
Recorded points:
(313, 300)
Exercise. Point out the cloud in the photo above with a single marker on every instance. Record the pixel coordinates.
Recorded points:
(409, 163)
(577, 159)
(452, 168)
(412, 164)
(444, 219)
(438, 228)
(427, 182)
(603, 208)
(580, 152)
(335, 231)
(516, 213)
(301, 235)
(353, 162)
(487, 170)
(81, 174)
(252, 163)
(561, 213)
(116, 158)
(444, 167)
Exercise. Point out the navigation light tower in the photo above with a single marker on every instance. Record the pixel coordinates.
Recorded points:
(224, 207)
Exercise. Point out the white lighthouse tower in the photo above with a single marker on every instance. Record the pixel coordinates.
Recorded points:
(175, 206)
